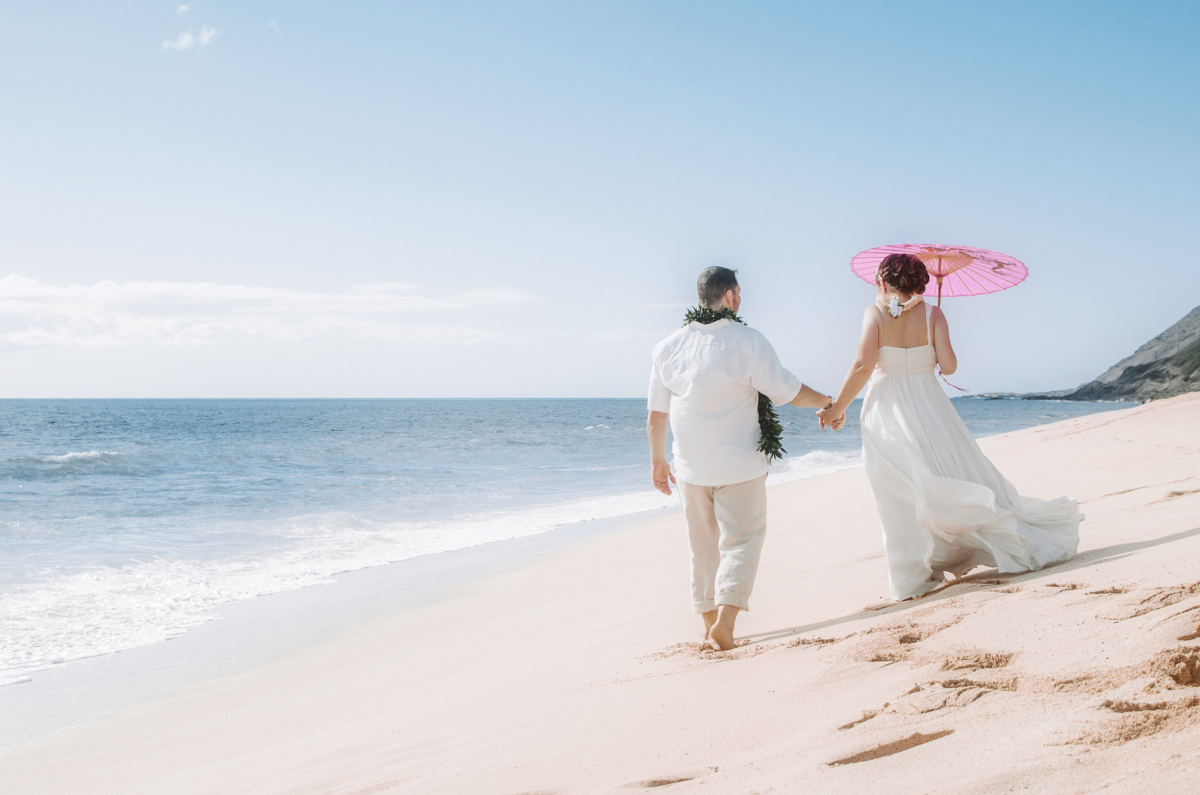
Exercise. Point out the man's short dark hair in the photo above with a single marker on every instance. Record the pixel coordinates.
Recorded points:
(713, 283)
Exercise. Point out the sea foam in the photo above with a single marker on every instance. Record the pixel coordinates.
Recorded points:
(126, 522)
(67, 458)
(104, 609)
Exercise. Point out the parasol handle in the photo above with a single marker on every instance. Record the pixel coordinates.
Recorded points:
(939, 290)
(939, 372)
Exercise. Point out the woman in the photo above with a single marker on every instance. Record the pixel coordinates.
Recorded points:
(943, 505)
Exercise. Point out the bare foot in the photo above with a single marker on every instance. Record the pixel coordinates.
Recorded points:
(721, 637)
(710, 618)
(955, 577)
(721, 633)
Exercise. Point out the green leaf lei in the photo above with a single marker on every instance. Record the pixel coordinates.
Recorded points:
(770, 440)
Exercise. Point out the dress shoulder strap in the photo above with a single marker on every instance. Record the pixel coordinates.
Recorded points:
(928, 323)
(882, 322)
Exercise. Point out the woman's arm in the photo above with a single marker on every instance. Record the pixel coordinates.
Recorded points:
(946, 359)
(860, 371)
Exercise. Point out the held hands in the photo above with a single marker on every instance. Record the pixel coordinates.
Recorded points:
(661, 474)
(826, 416)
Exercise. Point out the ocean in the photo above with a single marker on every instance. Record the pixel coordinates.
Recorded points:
(123, 522)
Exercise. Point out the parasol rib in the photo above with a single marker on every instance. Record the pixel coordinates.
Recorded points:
(968, 279)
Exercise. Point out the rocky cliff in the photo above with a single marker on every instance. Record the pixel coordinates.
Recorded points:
(1166, 366)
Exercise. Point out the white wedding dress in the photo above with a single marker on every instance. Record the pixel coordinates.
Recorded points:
(943, 505)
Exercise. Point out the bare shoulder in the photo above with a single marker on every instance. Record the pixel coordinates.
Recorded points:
(936, 313)
(872, 316)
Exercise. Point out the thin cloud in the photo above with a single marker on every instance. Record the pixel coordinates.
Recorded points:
(182, 10)
(273, 25)
(180, 313)
(185, 42)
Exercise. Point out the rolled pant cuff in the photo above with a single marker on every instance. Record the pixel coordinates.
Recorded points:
(704, 607)
(740, 601)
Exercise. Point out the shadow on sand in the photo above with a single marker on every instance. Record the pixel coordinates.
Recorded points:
(983, 580)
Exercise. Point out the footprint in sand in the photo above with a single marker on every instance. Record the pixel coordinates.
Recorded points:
(705, 651)
(895, 642)
(977, 660)
(1181, 665)
(816, 641)
(1141, 720)
(949, 693)
(945, 694)
(1149, 600)
(1168, 670)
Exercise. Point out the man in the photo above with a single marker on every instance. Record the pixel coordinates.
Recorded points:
(705, 381)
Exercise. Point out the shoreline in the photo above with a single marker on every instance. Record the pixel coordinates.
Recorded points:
(812, 464)
(576, 668)
(247, 633)
(102, 682)
(216, 587)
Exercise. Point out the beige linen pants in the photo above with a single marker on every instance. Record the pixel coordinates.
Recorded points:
(726, 527)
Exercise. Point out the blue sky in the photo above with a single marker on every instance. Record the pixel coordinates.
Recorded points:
(506, 199)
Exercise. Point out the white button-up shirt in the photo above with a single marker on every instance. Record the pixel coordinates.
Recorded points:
(708, 377)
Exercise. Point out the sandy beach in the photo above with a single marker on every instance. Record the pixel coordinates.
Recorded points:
(578, 669)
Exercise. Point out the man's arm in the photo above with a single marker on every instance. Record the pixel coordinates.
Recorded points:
(656, 432)
(808, 398)
(770, 378)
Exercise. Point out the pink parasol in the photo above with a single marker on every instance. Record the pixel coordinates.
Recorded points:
(959, 270)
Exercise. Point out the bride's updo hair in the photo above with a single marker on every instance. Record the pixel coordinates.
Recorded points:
(904, 273)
